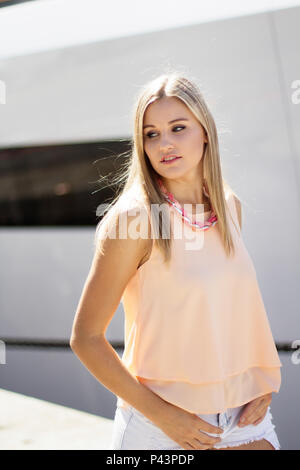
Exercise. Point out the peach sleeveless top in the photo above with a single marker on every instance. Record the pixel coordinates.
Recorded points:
(196, 332)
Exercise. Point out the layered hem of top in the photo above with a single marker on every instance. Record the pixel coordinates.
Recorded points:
(216, 397)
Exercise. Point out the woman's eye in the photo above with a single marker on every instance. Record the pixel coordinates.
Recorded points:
(180, 127)
(175, 127)
(149, 134)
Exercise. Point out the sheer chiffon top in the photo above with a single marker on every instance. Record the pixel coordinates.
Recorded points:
(196, 331)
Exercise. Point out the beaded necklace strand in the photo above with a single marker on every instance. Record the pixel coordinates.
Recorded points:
(172, 201)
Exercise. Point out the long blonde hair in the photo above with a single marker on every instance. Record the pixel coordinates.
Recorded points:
(140, 176)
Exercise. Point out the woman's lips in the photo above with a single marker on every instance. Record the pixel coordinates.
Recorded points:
(166, 162)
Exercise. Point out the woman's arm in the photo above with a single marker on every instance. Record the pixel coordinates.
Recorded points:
(101, 295)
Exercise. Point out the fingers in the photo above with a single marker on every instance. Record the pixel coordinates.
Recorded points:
(249, 412)
(203, 440)
(206, 440)
(255, 410)
(253, 417)
(258, 421)
(201, 445)
(214, 429)
(188, 446)
(207, 427)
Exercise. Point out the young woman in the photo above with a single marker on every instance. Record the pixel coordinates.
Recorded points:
(199, 353)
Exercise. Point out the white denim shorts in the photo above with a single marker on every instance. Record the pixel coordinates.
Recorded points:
(132, 430)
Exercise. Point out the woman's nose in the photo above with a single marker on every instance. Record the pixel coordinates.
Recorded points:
(166, 145)
(167, 149)
(166, 141)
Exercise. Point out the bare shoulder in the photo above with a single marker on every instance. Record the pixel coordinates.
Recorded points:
(126, 234)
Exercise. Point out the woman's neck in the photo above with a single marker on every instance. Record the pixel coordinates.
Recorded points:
(184, 195)
(195, 209)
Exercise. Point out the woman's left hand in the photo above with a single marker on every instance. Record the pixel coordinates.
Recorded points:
(255, 411)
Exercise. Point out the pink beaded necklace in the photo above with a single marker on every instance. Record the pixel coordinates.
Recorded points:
(172, 201)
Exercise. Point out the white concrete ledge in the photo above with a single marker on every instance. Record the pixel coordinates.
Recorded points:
(31, 423)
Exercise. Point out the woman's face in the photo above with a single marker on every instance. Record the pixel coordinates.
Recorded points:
(184, 137)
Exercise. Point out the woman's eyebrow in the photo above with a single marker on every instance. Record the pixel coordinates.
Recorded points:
(170, 122)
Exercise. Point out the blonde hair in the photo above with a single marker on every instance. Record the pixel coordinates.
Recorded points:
(140, 176)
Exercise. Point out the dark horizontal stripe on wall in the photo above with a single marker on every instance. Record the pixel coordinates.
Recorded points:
(58, 185)
(64, 344)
